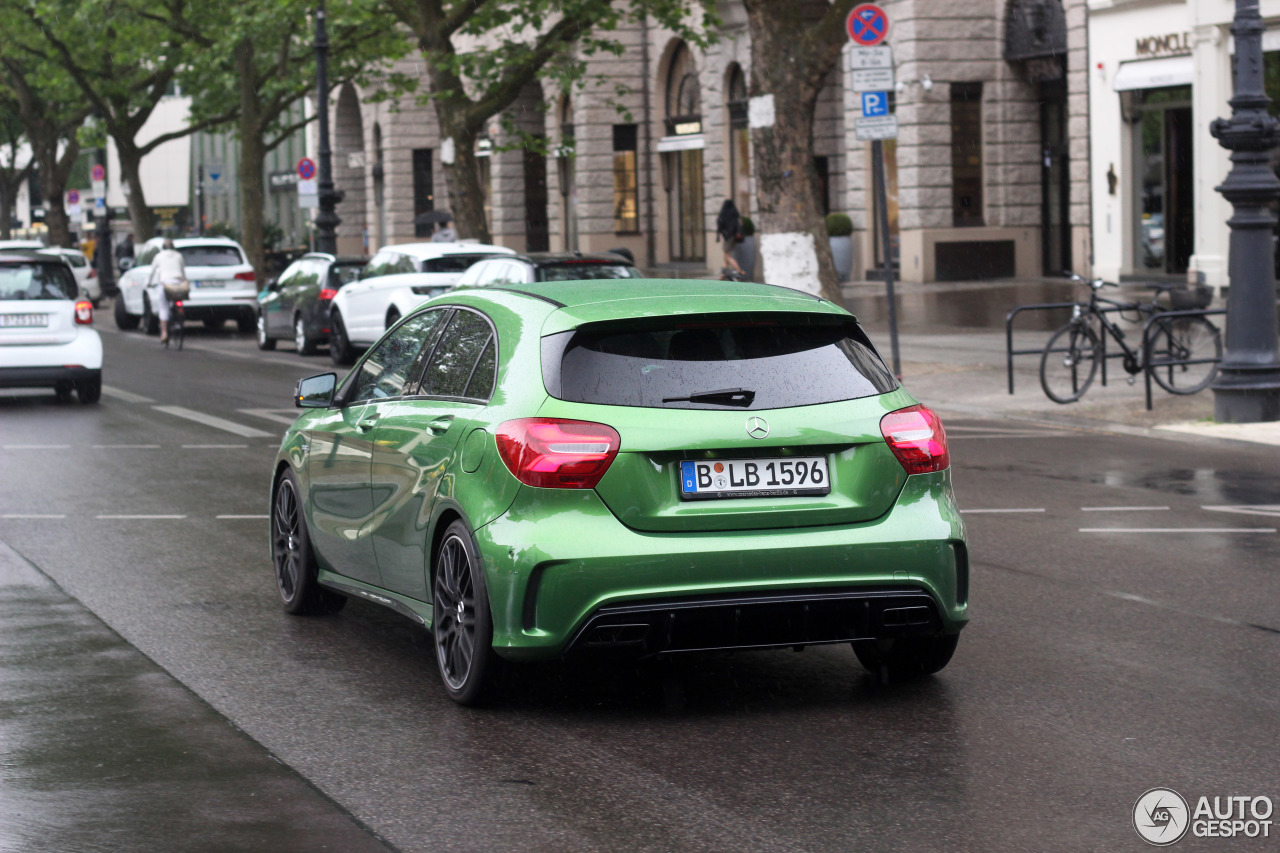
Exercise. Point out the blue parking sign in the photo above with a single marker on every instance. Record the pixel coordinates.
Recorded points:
(875, 103)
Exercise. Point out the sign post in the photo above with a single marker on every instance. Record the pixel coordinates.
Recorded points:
(873, 79)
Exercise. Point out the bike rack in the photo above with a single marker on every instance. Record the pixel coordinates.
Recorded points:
(1010, 352)
(1146, 342)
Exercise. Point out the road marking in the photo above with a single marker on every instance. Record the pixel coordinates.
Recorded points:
(215, 422)
(29, 515)
(284, 416)
(214, 446)
(37, 447)
(1177, 530)
(982, 511)
(243, 516)
(157, 517)
(126, 447)
(127, 396)
(1123, 508)
(1012, 435)
(1272, 510)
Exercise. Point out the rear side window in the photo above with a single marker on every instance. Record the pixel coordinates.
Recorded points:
(76, 260)
(343, 274)
(211, 256)
(751, 362)
(37, 281)
(461, 354)
(579, 271)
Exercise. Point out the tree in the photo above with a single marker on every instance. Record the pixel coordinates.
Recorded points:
(123, 63)
(12, 170)
(795, 44)
(480, 53)
(257, 61)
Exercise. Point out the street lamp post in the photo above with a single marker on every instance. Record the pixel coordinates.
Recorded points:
(102, 254)
(1247, 388)
(327, 220)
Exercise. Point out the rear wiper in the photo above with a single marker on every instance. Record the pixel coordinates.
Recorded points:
(723, 397)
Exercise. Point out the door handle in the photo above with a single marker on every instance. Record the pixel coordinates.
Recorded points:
(440, 425)
(366, 424)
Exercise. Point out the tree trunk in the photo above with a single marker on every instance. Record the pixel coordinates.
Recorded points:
(793, 234)
(8, 195)
(54, 172)
(253, 158)
(130, 170)
(466, 195)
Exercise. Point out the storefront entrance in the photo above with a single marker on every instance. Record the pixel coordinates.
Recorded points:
(1164, 214)
(1055, 179)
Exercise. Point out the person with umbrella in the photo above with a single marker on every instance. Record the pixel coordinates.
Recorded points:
(443, 234)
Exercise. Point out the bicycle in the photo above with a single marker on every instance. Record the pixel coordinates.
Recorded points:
(177, 325)
(1182, 354)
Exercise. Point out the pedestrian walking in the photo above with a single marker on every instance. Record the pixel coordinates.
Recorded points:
(729, 231)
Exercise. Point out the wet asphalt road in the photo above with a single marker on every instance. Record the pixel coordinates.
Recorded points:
(1098, 665)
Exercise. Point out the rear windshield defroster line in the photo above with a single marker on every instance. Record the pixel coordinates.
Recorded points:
(783, 360)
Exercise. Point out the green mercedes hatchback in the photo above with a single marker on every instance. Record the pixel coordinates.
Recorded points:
(638, 466)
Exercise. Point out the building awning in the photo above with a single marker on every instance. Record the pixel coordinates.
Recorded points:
(689, 142)
(1155, 73)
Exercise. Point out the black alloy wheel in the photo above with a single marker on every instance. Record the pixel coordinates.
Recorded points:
(463, 627)
(265, 342)
(295, 563)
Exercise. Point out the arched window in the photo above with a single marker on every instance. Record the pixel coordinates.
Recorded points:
(682, 161)
(684, 97)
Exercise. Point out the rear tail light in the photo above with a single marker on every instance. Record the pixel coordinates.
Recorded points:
(327, 294)
(92, 273)
(557, 454)
(916, 437)
(84, 312)
(245, 276)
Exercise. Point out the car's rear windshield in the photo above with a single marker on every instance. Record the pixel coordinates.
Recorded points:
(342, 274)
(211, 256)
(747, 362)
(37, 281)
(451, 263)
(579, 270)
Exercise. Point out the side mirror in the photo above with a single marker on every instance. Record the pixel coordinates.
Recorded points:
(315, 392)
(126, 264)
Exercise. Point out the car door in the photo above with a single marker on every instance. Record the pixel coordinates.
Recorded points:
(133, 282)
(301, 289)
(367, 299)
(272, 305)
(416, 445)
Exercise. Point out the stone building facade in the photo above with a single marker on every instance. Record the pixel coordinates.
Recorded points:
(988, 178)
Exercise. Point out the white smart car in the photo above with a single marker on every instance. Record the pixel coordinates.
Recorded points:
(396, 280)
(47, 339)
(223, 285)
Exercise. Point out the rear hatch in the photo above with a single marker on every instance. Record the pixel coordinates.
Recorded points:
(37, 304)
(733, 422)
(218, 273)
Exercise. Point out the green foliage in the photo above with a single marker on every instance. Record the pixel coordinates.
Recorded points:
(748, 227)
(272, 236)
(839, 225)
(222, 229)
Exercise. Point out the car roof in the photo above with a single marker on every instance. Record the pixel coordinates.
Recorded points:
(185, 242)
(423, 251)
(337, 259)
(61, 250)
(16, 255)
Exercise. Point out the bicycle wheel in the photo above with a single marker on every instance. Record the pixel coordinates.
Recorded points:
(1069, 362)
(1184, 354)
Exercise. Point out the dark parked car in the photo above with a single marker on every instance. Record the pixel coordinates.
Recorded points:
(547, 266)
(296, 305)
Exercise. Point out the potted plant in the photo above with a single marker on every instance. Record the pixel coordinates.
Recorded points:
(745, 252)
(840, 234)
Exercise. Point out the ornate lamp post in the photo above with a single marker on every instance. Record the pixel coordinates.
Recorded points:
(1248, 387)
(327, 219)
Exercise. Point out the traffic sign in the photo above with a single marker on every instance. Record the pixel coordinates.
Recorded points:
(306, 168)
(880, 56)
(867, 24)
(73, 197)
(98, 173)
(876, 127)
(875, 104)
(99, 188)
(873, 80)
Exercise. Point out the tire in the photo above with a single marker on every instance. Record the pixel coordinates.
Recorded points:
(340, 349)
(245, 323)
(264, 342)
(125, 321)
(291, 554)
(1178, 339)
(89, 390)
(63, 391)
(302, 340)
(393, 317)
(150, 320)
(213, 324)
(1069, 362)
(905, 658)
(461, 623)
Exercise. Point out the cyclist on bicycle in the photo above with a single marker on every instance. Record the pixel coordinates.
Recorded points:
(167, 270)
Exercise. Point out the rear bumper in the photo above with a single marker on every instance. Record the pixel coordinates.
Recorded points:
(44, 377)
(237, 310)
(567, 583)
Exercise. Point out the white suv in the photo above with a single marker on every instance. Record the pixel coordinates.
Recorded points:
(47, 338)
(396, 280)
(223, 285)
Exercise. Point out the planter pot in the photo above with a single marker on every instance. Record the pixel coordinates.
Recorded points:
(745, 254)
(842, 256)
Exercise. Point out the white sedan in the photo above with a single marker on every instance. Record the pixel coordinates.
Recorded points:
(396, 280)
(86, 275)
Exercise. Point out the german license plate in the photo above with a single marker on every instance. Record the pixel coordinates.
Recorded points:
(26, 321)
(754, 478)
(204, 284)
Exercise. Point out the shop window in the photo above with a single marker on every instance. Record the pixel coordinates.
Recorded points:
(626, 186)
(739, 141)
(424, 198)
(966, 154)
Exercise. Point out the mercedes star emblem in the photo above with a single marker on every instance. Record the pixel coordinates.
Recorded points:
(757, 427)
